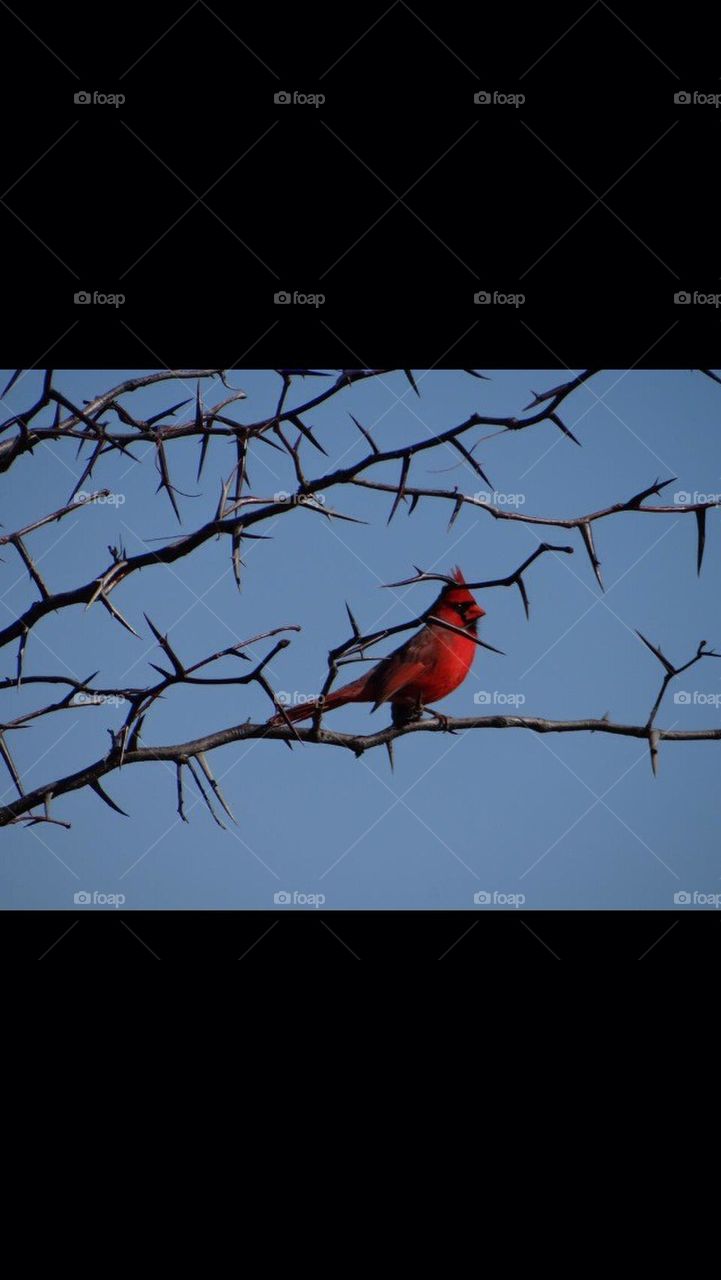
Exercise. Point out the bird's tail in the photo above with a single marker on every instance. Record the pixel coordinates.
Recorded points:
(354, 692)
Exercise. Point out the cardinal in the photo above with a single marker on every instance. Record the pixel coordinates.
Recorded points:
(427, 667)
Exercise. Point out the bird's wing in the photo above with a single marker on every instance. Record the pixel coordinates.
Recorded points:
(396, 677)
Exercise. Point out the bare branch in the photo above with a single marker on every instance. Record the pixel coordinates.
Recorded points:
(511, 579)
(671, 671)
(357, 743)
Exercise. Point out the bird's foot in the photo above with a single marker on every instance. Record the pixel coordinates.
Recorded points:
(441, 718)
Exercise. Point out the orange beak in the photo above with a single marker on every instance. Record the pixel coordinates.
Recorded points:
(475, 611)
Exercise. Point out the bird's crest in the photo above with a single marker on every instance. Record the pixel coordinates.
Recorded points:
(460, 595)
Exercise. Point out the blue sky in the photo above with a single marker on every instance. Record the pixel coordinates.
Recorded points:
(567, 820)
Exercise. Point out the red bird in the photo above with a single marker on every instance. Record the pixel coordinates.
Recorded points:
(428, 666)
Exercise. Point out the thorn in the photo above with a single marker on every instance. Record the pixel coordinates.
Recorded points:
(457, 508)
(465, 453)
(179, 782)
(200, 757)
(356, 629)
(595, 562)
(235, 558)
(401, 485)
(653, 741)
(671, 670)
(167, 413)
(224, 489)
(524, 597)
(656, 488)
(366, 434)
(165, 482)
(96, 787)
(306, 431)
(203, 450)
(115, 613)
(553, 417)
(701, 526)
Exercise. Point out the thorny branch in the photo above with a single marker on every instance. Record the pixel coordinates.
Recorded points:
(183, 753)
(235, 516)
(106, 425)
